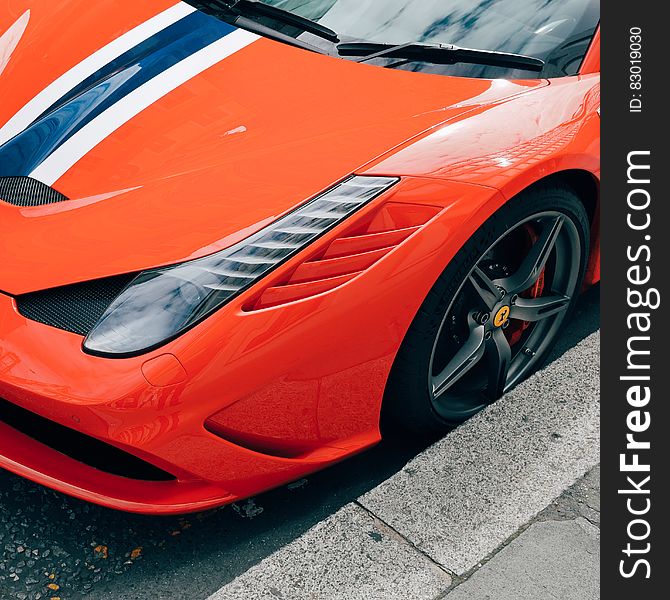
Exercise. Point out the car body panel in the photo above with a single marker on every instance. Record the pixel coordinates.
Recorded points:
(493, 146)
(214, 160)
(299, 345)
(293, 387)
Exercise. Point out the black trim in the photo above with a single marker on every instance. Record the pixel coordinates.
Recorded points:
(75, 308)
(26, 192)
(79, 446)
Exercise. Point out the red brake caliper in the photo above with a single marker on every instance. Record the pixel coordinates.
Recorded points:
(516, 329)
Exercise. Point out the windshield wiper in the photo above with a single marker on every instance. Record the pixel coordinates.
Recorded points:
(440, 54)
(247, 8)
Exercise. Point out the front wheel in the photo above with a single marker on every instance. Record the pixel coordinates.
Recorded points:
(492, 317)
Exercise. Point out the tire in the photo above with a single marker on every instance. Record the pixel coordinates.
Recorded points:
(431, 387)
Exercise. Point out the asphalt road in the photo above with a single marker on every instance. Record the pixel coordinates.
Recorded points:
(52, 546)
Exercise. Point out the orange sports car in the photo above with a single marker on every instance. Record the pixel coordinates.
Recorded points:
(236, 233)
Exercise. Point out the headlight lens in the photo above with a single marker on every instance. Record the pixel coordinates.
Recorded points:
(162, 303)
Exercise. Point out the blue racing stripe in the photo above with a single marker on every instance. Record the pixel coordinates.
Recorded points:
(23, 153)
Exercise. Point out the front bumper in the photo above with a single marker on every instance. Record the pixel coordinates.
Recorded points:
(44, 371)
(298, 386)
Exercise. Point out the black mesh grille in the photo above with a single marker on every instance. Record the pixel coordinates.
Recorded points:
(75, 308)
(25, 191)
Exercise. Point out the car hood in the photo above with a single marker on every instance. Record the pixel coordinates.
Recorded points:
(174, 135)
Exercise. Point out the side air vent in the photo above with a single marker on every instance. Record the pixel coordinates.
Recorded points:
(348, 256)
(75, 308)
(25, 191)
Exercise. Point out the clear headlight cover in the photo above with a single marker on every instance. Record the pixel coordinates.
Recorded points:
(162, 303)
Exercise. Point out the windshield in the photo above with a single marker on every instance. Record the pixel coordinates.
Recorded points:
(556, 31)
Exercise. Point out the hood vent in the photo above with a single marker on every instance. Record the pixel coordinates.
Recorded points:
(349, 255)
(26, 191)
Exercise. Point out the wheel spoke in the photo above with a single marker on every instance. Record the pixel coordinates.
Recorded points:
(536, 309)
(532, 266)
(467, 357)
(499, 356)
(485, 288)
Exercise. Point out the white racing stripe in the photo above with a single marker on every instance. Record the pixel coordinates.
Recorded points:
(66, 82)
(11, 38)
(62, 159)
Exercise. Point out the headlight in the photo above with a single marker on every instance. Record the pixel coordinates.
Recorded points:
(162, 303)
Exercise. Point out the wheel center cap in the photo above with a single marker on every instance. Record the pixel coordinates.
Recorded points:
(502, 316)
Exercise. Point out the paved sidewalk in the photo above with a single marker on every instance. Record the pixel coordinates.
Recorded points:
(475, 517)
(556, 558)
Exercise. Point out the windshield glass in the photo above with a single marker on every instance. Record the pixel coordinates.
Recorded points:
(556, 31)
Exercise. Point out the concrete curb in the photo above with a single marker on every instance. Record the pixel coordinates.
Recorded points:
(349, 556)
(463, 497)
(454, 504)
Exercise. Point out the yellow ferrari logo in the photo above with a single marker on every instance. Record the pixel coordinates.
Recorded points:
(501, 316)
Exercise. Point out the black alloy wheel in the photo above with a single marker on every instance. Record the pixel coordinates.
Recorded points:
(492, 318)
